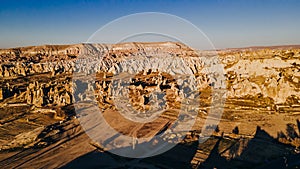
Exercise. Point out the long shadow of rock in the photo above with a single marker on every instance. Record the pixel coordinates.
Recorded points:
(179, 157)
(261, 151)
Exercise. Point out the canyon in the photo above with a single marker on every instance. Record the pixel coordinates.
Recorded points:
(243, 103)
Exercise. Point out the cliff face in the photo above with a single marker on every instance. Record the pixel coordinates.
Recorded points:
(38, 86)
(269, 73)
(264, 79)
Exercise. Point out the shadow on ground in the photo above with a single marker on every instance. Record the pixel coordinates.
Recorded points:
(260, 151)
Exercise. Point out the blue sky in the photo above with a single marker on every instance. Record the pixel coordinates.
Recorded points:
(228, 24)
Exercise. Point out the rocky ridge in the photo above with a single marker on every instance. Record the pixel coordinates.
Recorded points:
(39, 86)
(268, 72)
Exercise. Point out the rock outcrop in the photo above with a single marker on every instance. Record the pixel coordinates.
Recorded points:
(40, 86)
(272, 73)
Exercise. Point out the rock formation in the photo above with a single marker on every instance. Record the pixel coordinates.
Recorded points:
(152, 81)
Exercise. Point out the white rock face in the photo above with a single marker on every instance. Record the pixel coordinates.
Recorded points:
(273, 73)
(274, 84)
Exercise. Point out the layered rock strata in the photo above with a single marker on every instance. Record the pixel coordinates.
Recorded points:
(267, 73)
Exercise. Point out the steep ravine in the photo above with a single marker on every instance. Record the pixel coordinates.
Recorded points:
(39, 86)
(276, 76)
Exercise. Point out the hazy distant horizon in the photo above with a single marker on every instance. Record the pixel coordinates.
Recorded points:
(240, 47)
(228, 24)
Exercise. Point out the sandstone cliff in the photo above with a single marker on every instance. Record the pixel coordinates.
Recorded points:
(268, 73)
(39, 86)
